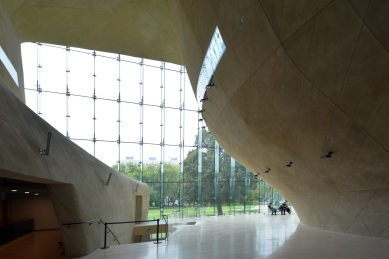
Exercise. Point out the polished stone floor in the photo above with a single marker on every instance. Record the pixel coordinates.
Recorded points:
(252, 236)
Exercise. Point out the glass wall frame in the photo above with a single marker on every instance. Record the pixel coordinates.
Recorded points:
(141, 117)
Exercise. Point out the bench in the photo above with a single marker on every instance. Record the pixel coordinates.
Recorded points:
(269, 212)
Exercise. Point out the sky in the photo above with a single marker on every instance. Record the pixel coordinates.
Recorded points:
(55, 61)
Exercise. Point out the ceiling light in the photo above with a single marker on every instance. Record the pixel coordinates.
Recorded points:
(36, 193)
(14, 190)
(267, 171)
(26, 192)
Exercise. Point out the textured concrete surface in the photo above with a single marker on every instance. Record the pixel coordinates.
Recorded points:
(10, 43)
(137, 27)
(74, 177)
(298, 79)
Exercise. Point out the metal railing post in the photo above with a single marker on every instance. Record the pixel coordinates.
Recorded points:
(105, 237)
(157, 233)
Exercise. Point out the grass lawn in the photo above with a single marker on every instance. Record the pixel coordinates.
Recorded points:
(191, 211)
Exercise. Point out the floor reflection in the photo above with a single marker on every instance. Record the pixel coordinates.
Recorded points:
(253, 236)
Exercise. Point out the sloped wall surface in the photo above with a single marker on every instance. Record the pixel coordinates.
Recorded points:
(10, 46)
(300, 79)
(74, 177)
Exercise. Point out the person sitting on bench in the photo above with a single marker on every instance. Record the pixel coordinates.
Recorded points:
(273, 210)
(285, 208)
(282, 209)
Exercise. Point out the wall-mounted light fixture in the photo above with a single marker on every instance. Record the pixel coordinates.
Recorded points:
(210, 84)
(289, 165)
(47, 150)
(109, 179)
(267, 171)
(328, 155)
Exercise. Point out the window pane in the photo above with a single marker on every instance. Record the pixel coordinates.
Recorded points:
(106, 120)
(129, 84)
(152, 83)
(81, 117)
(31, 99)
(86, 145)
(190, 97)
(191, 131)
(130, 127)
(152, 62)
(129, 160)
(152, 124)
(53, 71)
(172, 126)
(107, 152)
(29, 56)
(172, 89)
(107, 72)
(54, 111)
(151, 172)
(81, 73)
(154, 209)
(172, 66)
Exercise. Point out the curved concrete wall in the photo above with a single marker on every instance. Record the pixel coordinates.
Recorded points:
(134, 27)
(300, 79)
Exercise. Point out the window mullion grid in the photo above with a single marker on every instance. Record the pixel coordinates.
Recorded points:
(199, 163)
(94, 102)
(247, 206)
(217, 174)
(182, 154)
(38, 78)
(162, 143)
(118, 101)
(232, 186)
(141, 110)
(67, 91)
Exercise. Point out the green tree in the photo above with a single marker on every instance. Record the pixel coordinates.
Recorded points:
(151, 175)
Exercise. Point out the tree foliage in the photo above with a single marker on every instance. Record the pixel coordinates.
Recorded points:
(171, 175)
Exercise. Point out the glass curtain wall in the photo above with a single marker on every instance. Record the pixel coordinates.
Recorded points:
(141, 117)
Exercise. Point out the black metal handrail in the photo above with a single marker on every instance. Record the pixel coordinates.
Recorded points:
(128, 222)
(90, 223)
(80, 223)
